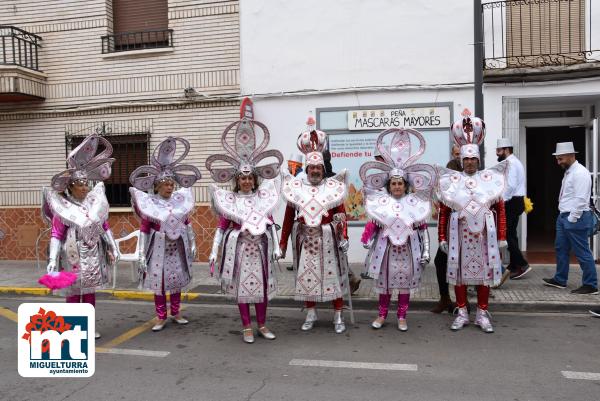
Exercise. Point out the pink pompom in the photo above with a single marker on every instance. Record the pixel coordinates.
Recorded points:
(56, 281)
(368, 233)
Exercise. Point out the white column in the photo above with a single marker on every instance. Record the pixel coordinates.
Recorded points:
(510, 122)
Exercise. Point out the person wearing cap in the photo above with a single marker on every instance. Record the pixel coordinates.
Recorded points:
(441, 259)
(295, 168)
(315, 218)
(514, 194)
(472, 224)
(167, 241)
(574, 224)
(81, 240)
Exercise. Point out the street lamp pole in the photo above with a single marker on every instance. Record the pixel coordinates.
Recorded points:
(478, 63)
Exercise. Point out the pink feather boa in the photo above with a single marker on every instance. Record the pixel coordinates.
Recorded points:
(368, 233)
(58, 280)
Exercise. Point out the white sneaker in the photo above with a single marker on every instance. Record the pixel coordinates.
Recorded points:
(483, 319)
(97, 335)
(311, 318)
(338, 322)
(462, 319)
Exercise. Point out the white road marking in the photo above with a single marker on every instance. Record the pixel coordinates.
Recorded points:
(132, 352)
(580, 375)
(353, 365)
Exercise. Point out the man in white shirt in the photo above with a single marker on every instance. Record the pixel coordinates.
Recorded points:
(574, 224)
(514, 194)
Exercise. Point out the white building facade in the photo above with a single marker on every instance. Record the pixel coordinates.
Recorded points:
(385, 58)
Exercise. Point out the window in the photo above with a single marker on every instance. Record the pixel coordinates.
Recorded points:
(138, 24)
(539, 31)
(129, 151)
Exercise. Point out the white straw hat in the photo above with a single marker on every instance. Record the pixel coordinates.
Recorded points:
(564, 148)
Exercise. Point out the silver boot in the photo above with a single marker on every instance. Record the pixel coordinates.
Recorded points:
(483, 319)
(461, 320)
(338, 322)
(311, 318)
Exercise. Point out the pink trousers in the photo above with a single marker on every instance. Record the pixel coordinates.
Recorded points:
(84, 298)
(384, 304)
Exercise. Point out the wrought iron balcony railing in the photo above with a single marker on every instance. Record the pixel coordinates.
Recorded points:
(539, 33)
(19, 47)
(127, 41)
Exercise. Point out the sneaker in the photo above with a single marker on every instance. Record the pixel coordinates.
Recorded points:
(520, 272)
(550, 282)
(595, 312)
(585, 290)
(365, 276)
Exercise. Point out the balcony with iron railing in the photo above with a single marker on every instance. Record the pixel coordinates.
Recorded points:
(20, 76)
(540, 39)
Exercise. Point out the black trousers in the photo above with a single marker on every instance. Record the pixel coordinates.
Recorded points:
(514, 208)
(441, 266)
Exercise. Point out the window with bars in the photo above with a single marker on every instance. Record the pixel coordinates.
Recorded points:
(129, 152)
(138, 24)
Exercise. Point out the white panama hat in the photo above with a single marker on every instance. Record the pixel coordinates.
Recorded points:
(504, 143)
(564, 148)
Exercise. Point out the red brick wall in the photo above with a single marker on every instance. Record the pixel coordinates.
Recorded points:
(19, 228)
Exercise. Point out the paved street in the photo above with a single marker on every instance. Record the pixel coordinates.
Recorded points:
(528, 293)
(207, 360)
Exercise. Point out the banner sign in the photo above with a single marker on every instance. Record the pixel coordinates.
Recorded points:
(418, 118)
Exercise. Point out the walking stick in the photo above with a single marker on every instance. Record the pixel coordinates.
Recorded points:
(340, 220)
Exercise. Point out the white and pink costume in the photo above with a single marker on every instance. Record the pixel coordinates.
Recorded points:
(168, 245)
(246, 236)
(81, 237)
(397, 232)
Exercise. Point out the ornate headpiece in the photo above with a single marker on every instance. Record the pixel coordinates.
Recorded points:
(312, 143)
(163, 167)
(244, 156)
(399, 161)
(468, 133)
(84, 164)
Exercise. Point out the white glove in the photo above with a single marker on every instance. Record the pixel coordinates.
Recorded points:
(192, 240)
(109, 238)
(444, 246)
(369, 244)
(344, 245)
(424, 234)
(277, 253)
(502, 244)
(55, 246)
(142, 263)
(212, 258)
(572, 219)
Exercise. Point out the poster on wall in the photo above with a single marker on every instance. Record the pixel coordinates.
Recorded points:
(349, 150)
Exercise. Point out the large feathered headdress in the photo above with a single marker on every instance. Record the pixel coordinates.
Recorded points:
(164, 166)
(244, 155)
(399, 161)
(468, 133)
(84, 164)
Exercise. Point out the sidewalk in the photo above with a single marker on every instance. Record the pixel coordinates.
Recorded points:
(20, 277)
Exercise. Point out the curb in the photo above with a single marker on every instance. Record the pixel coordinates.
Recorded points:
(289, 301)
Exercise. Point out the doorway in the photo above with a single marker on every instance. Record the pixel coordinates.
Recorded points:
(544, 179)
